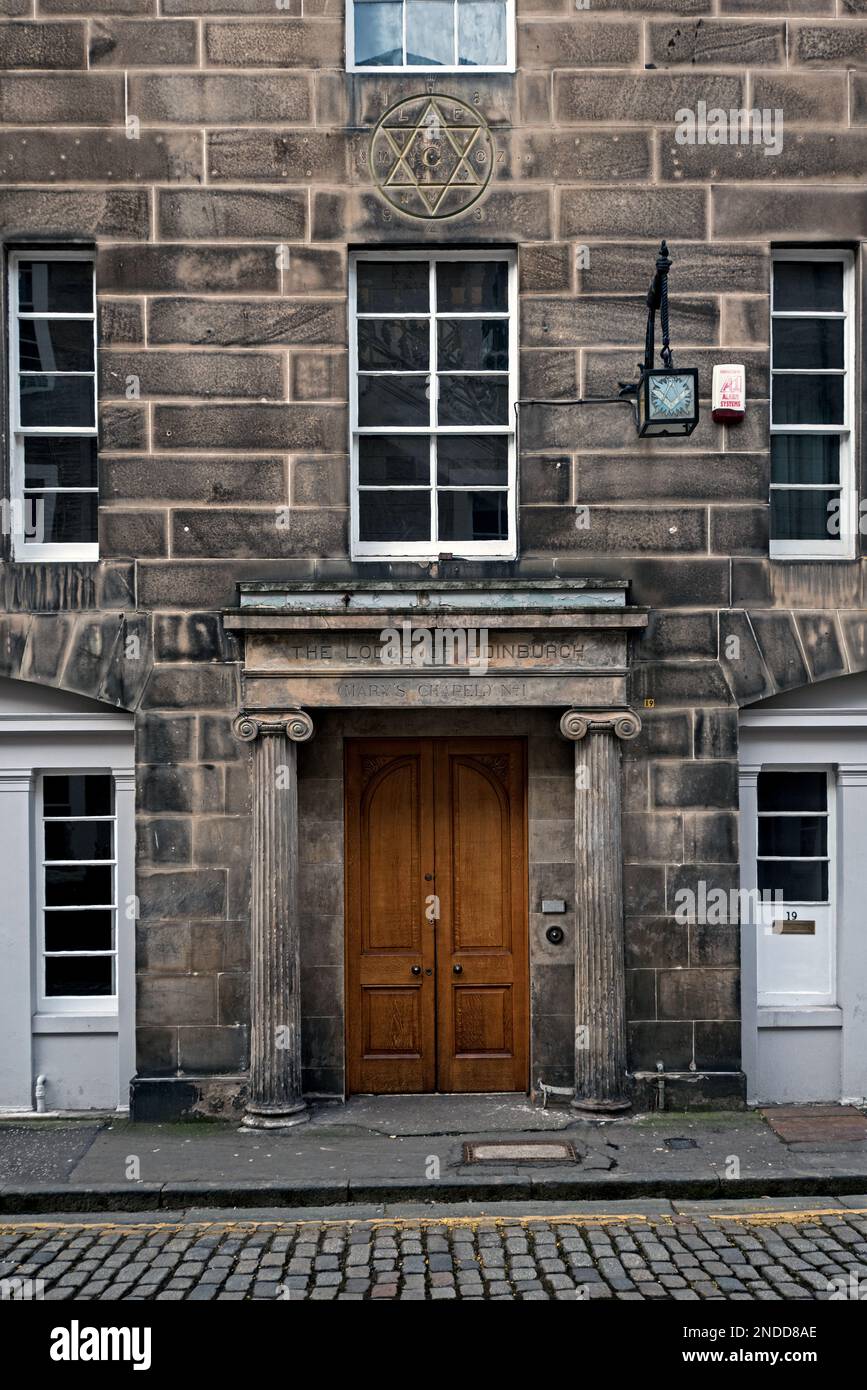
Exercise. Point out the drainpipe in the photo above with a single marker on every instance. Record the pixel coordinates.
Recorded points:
(660, 1086)
(40, 1095)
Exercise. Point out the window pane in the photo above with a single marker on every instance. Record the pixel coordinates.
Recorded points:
(78, 931)
(430, 32)
(57, 401)
(805, 516)
(393, 287)
(84, 839)
(799, 881)
(77, 794)
(793, 836)
(387, 462)
(792, 791)
(394, 516)
(473, 516)
(378, 39)
(472, 460)
(78, 884)
(62, 518)
(472, 287)
(389, 344)
(393, 400)
(473, 400)
(482, 32)
(805, 458)
(482, 344)
(55, 287)
(79, 975)
(55, 345)
(808, 343)
(806, 285)
(55, 462)
(807, 400)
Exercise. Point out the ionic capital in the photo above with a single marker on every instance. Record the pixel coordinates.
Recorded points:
(576, 724)
(295, 724)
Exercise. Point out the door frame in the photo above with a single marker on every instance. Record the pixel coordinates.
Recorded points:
(386, 744)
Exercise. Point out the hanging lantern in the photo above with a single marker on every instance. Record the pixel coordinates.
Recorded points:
(667, 396)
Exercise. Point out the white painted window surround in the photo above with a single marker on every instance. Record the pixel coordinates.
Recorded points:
(813, 360)
(84, 1045)
(430, 36)
(52, 392)
(420, 368)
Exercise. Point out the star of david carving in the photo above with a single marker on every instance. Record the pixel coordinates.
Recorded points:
(431, 156)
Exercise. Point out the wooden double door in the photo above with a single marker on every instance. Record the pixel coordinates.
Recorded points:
(437, 991)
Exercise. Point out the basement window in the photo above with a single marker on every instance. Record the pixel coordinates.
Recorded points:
(813, 511)
(54, 491)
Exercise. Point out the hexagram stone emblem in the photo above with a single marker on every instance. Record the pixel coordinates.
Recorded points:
(431, 156)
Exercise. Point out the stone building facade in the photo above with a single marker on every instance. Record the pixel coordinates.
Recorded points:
(229, 176)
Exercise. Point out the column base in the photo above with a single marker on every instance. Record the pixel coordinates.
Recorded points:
(276, 1116)
(601, 1107)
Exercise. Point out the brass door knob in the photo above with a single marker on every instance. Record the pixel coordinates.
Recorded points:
(458, 969)
(416, 969)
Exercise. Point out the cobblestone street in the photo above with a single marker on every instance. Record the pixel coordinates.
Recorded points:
(697, 1256)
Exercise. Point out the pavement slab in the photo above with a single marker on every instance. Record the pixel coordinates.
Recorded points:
(377, 1151)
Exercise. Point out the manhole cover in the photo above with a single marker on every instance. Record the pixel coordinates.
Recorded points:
(530, 1151)
(681, 1144)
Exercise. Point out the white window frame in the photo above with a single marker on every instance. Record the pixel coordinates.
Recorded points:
(466, 68)
(841, 547)
(825, 912)
(22, 548)
(75, 1004)
(432, 550)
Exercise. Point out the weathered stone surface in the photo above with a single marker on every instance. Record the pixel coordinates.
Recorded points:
(29, 45)
(827, 155)
(714, 43)
(568, 156)
(61, 212)
(612, 529)
(270, 156)
(830, 45)
(136, 43)
(245, 532)
(161, 269)
(64, 98)
(780, 212)
(780, 648)
(186, 478)
(247, 323)
(811, 98)
(595, 321)
(133, 533)
(232, 426)
(606, 477)
(217, 214)
(318, 376)
(697, 268)
(578, 42)
(282, 43)
(217, 99)
(253, 375)
(704, 784)
(821, 643)
(120, 321)
(631, 98)
(101, 157)
(123, 427)
(610, 212)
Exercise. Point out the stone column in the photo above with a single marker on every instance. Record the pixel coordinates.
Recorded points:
(600, 977)
(275, 1100)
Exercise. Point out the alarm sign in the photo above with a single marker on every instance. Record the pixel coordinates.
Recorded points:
(729, 393)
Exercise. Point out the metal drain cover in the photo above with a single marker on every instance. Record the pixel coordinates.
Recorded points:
(681, 1144)
(520, 1151)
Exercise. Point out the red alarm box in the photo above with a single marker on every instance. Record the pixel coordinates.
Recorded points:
(729, 393)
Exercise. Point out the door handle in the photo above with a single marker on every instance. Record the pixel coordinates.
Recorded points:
(415, 969)
(458, 969)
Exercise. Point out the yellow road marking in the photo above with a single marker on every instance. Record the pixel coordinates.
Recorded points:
(576, 1219)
